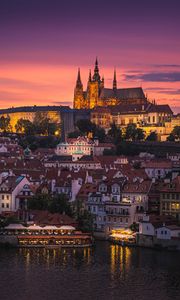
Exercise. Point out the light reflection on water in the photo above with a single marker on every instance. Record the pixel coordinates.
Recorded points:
(103, 272)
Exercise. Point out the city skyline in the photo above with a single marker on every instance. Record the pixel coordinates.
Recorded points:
(44, 42)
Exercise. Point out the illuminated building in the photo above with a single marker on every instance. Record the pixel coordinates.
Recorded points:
(97, 95)
(78, 147)
(170, 198)
(64, 116)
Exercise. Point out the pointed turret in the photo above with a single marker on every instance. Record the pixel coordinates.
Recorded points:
(114, 81)
(79, 82)
(96, 76)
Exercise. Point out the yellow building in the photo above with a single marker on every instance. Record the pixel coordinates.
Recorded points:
(54, 116)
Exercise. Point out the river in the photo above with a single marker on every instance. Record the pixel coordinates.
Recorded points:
(103, 272)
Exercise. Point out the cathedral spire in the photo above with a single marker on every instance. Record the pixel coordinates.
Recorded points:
(114, 81)
(79, 82)
(96, 76)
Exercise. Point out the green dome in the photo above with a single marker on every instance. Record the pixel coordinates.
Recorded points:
(27, 151)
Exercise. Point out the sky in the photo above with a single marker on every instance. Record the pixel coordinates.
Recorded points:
(43, 42)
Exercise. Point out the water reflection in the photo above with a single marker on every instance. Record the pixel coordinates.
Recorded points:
(120, 260)
(103, 272)
(49, 257)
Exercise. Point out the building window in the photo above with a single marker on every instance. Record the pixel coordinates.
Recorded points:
(7, 205)
(2, 205)
(2, 197)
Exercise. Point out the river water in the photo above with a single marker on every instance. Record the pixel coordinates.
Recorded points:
(103, 272)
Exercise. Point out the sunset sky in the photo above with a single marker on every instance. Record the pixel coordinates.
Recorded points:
(43, 42)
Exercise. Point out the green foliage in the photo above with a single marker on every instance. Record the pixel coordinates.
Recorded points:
(5, 124)
(133, 133)
(126, 148)
(74, 134)
(85, 126)
(115, 133)
(171, 138)
(134, 227)
(83, 217)
(34, 142)
(52, 203)
(85, 220)
(175, 134)
(25, 126)
(109, 152)
(41, 125)
(152, 137)
(99, 133)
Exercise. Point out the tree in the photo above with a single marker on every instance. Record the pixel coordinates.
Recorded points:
(41, 122)
(85, 220)
(74, 134)
(25, 126)
(52, 128)
(139, 136)
(99, 133)
(176, 133)
(152, 137)
(59, 204)
(171, 138)
(52, 203)
(85, 126)
(5, 125)
(115, 133)
(133, 133)
(39, 202)
(130, 132)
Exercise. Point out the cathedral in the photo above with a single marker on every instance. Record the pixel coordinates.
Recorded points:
(97, 95)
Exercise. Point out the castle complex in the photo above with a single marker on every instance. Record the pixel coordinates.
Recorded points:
(97, 95)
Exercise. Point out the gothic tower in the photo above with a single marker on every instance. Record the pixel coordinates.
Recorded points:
(79, 101)
(94, 87)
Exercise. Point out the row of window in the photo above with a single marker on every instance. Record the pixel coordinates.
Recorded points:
(171, 196)
(170, 206)
(109, 219)
(3, 197)
(5, 205)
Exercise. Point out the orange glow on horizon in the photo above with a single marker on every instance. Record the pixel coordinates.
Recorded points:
(25, 84)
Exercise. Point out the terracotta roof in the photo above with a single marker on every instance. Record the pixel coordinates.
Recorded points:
(11, 182)
(46, 218)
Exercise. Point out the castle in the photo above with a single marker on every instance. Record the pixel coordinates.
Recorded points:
(97, 95)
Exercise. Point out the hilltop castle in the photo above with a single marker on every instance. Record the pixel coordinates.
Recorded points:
(97, 95)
